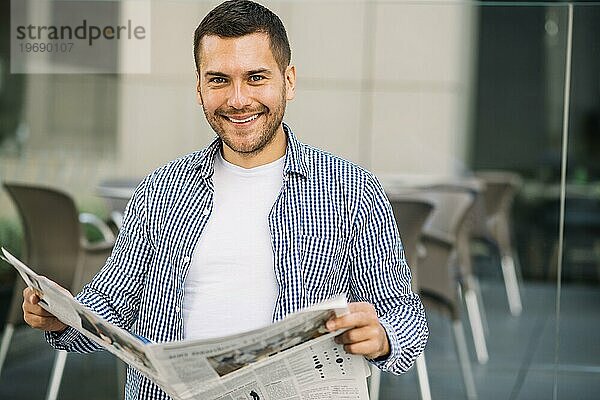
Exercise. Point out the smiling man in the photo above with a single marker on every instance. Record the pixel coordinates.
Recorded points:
(253, 227)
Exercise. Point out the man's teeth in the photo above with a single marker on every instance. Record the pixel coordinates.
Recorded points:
(241, 121)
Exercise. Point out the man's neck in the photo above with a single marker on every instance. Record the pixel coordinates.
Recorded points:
(271, 152)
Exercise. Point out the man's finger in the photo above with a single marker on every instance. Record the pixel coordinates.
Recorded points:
(30, 296)
(44, 323)
(357, 335)
(352, 320)
(345, 321)
(30, 304)
(365, 348)
(35, 310)
(38, 320)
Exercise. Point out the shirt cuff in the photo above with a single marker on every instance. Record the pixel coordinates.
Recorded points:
(385, 363)
(61, 340)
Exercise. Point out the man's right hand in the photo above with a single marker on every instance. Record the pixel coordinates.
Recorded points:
(36, 316)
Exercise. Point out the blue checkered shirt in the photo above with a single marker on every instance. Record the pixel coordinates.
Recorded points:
(332, 231)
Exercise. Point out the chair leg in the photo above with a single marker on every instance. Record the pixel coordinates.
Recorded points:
(477, 288)
(512, 285)
(509, 272)
(56, 376)
(474, 315)
(374, 383)
(517, 263)
(423, 377)
(9, 329)
(597, 254)
(121, 377)
(463, 359)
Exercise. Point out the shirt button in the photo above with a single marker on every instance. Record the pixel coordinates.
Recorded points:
(206, 211)
(177, 308)
(186, 259)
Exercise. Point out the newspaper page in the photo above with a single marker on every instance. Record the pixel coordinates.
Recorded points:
(292, 359)
(59, 302)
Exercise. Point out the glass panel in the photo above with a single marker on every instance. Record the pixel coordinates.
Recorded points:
(578, 357)
(482, 89)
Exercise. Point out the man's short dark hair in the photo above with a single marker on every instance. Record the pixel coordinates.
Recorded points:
(236, 18)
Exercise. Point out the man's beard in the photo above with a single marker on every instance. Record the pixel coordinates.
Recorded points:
(272, 121)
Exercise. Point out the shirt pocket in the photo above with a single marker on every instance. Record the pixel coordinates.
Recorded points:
(323, 269)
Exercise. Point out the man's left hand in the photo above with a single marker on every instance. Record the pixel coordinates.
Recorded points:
(365, 335)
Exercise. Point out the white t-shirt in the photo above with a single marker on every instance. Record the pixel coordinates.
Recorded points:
(231, 285)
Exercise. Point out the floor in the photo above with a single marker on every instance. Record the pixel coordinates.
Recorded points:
(522, 349)
(521, 365)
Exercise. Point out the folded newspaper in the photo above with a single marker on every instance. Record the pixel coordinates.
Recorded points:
(293, 359)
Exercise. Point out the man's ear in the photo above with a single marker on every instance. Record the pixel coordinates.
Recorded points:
(290, 82)
(198, 94)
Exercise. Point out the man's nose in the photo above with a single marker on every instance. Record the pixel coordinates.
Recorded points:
(239, 97)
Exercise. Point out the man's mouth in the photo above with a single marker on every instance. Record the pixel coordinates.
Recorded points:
(242, 119)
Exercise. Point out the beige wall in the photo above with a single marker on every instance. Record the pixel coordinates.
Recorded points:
(385, 84)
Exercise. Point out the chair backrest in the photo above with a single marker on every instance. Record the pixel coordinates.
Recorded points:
(440, 268)
(450, 211)
(52, 234)
(475, 223)
(411, 216)
(500, 191)
(476, 218)
(117, 192)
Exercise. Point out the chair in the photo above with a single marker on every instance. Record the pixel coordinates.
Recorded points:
(55, 247)
(116, 193)
(500, 191)
(472, 222)
(410, 216)
(438, 271)
(473, 225)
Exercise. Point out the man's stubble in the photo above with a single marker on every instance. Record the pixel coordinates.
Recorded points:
(273, 120)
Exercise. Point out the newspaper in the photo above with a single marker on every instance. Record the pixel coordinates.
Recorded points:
(293, 359)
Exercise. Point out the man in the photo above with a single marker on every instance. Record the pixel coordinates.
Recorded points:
(255, 226)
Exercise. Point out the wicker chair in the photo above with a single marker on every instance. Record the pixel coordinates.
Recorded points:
(55, 247)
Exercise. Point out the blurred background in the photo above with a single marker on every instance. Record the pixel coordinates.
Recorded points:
(423, 93)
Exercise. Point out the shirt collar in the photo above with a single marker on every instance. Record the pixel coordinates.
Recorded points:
(294, 157)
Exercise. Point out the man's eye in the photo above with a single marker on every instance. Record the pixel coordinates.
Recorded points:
(256, 78)
(217, 80)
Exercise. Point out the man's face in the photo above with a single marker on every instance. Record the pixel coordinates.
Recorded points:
(242, 90)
